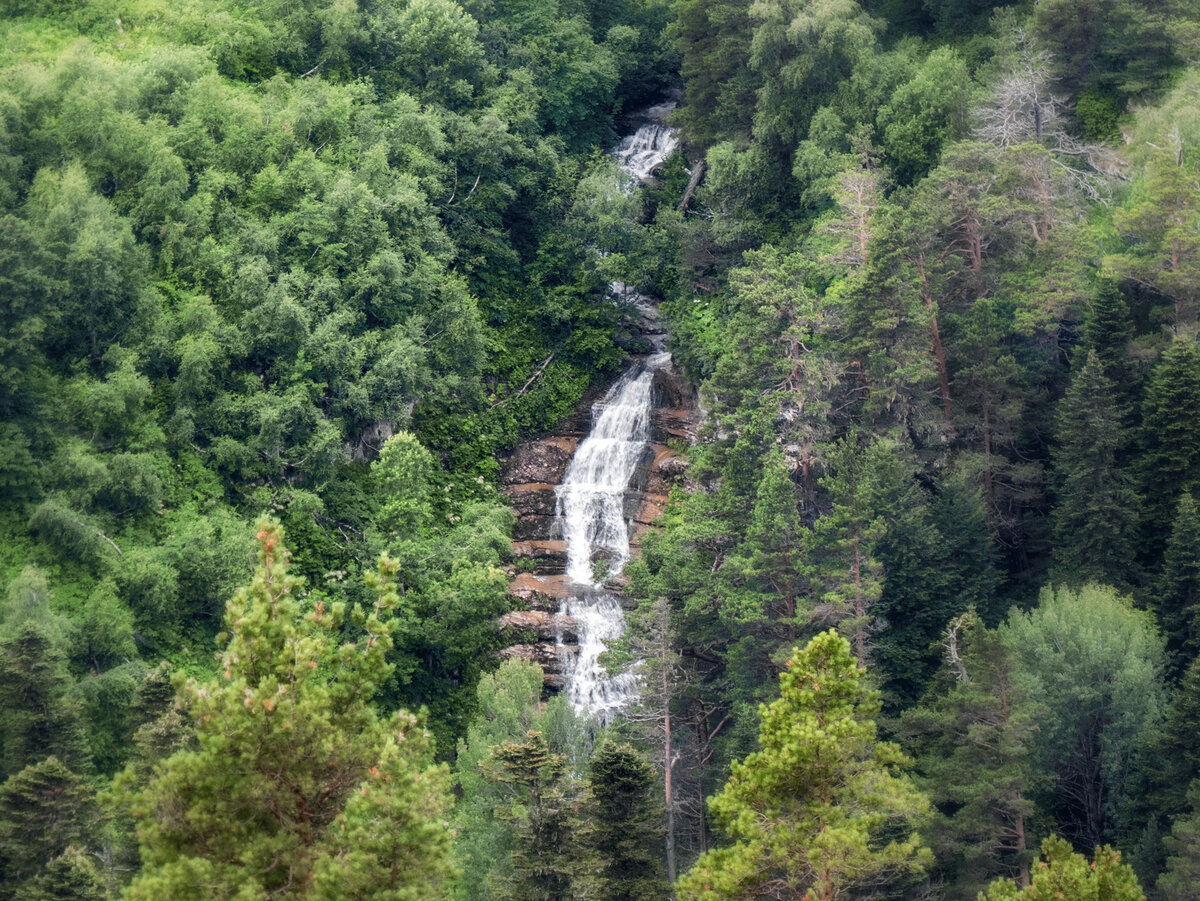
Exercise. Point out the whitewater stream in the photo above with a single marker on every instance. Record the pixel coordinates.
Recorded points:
(591, 497)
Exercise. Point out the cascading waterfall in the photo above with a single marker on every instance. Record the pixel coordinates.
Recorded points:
(591, 498)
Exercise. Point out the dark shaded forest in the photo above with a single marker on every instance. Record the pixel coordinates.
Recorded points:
(282, 281)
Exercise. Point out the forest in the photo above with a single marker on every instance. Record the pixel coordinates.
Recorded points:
(284, 283)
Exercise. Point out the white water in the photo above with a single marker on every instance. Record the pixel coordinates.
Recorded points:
(591, 498)
(641, 152)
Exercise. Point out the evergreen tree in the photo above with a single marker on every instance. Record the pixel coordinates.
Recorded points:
(38, 715)
(1108, 331)
(845, 540)
(822, 809)
(1170, 457)
(44, 809)
(72, 876)
(544, 856)
(1182, 875)
(624, 832)
(1176, 598)
(509, 701)
(1065, 874)
(971, 739)
(298, 788)
(1095, 521)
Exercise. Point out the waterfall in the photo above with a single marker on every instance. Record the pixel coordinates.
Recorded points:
(591, 497)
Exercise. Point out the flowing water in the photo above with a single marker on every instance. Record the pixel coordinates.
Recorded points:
(591, 498)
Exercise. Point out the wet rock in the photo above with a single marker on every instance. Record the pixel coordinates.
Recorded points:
(552, 627)
(545, 461)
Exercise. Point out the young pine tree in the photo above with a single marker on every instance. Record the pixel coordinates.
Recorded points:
(822, 809)
(1065, 874)
(298, 789)
(1170, 458)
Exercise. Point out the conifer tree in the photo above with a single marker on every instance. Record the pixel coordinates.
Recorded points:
(845, 539)
(544, 860)
(971, 739)
(1179, 880)
(624, 833)
(298, 789)
(72, 876)
(1176, 598)
(822, 809)
(1095, 521)
(1170, 459)
(44, 809)
(38, 715)
(1108, 331)
(1065, 874)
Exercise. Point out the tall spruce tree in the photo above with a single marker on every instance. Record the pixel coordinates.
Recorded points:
(38, 714)
(624, 832)
(1176, 598)
(1170, 457)
(299, 789)
(1095, 521)
(823, 808)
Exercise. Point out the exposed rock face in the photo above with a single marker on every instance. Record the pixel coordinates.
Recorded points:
(529, 476)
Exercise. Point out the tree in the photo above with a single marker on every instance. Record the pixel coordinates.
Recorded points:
(508, 707)
(298, 787)
(544, 866)
(1170, 457)
(623, 832)
(1176, 598)
(972, 739)
(1064, 874)
(822, 809)
(1095, 663)
(1095, 521)
(1178, 882)
(38, 714)
(44, 809)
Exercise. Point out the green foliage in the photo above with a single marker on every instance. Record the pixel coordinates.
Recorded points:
(328, 794)
(972, 737)
(1064, 874)
(822, 807)
(623, 833)
(1095, 521)
(1179, 878)
(1095, 663)
(45, 810)
(543, 824)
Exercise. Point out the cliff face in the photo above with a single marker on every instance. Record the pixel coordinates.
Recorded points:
(529, 476)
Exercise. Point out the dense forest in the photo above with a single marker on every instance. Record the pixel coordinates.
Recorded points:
(283, 281)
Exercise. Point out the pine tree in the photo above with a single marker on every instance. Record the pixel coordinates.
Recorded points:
(544, 856)
(1065, 874)
(1095, 521)
(624, 834)
(1108, 331)
(822, 808)
(44, 809)
(298, 786)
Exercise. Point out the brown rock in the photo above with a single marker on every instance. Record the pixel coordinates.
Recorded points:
(551, 627)
(545, 460)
